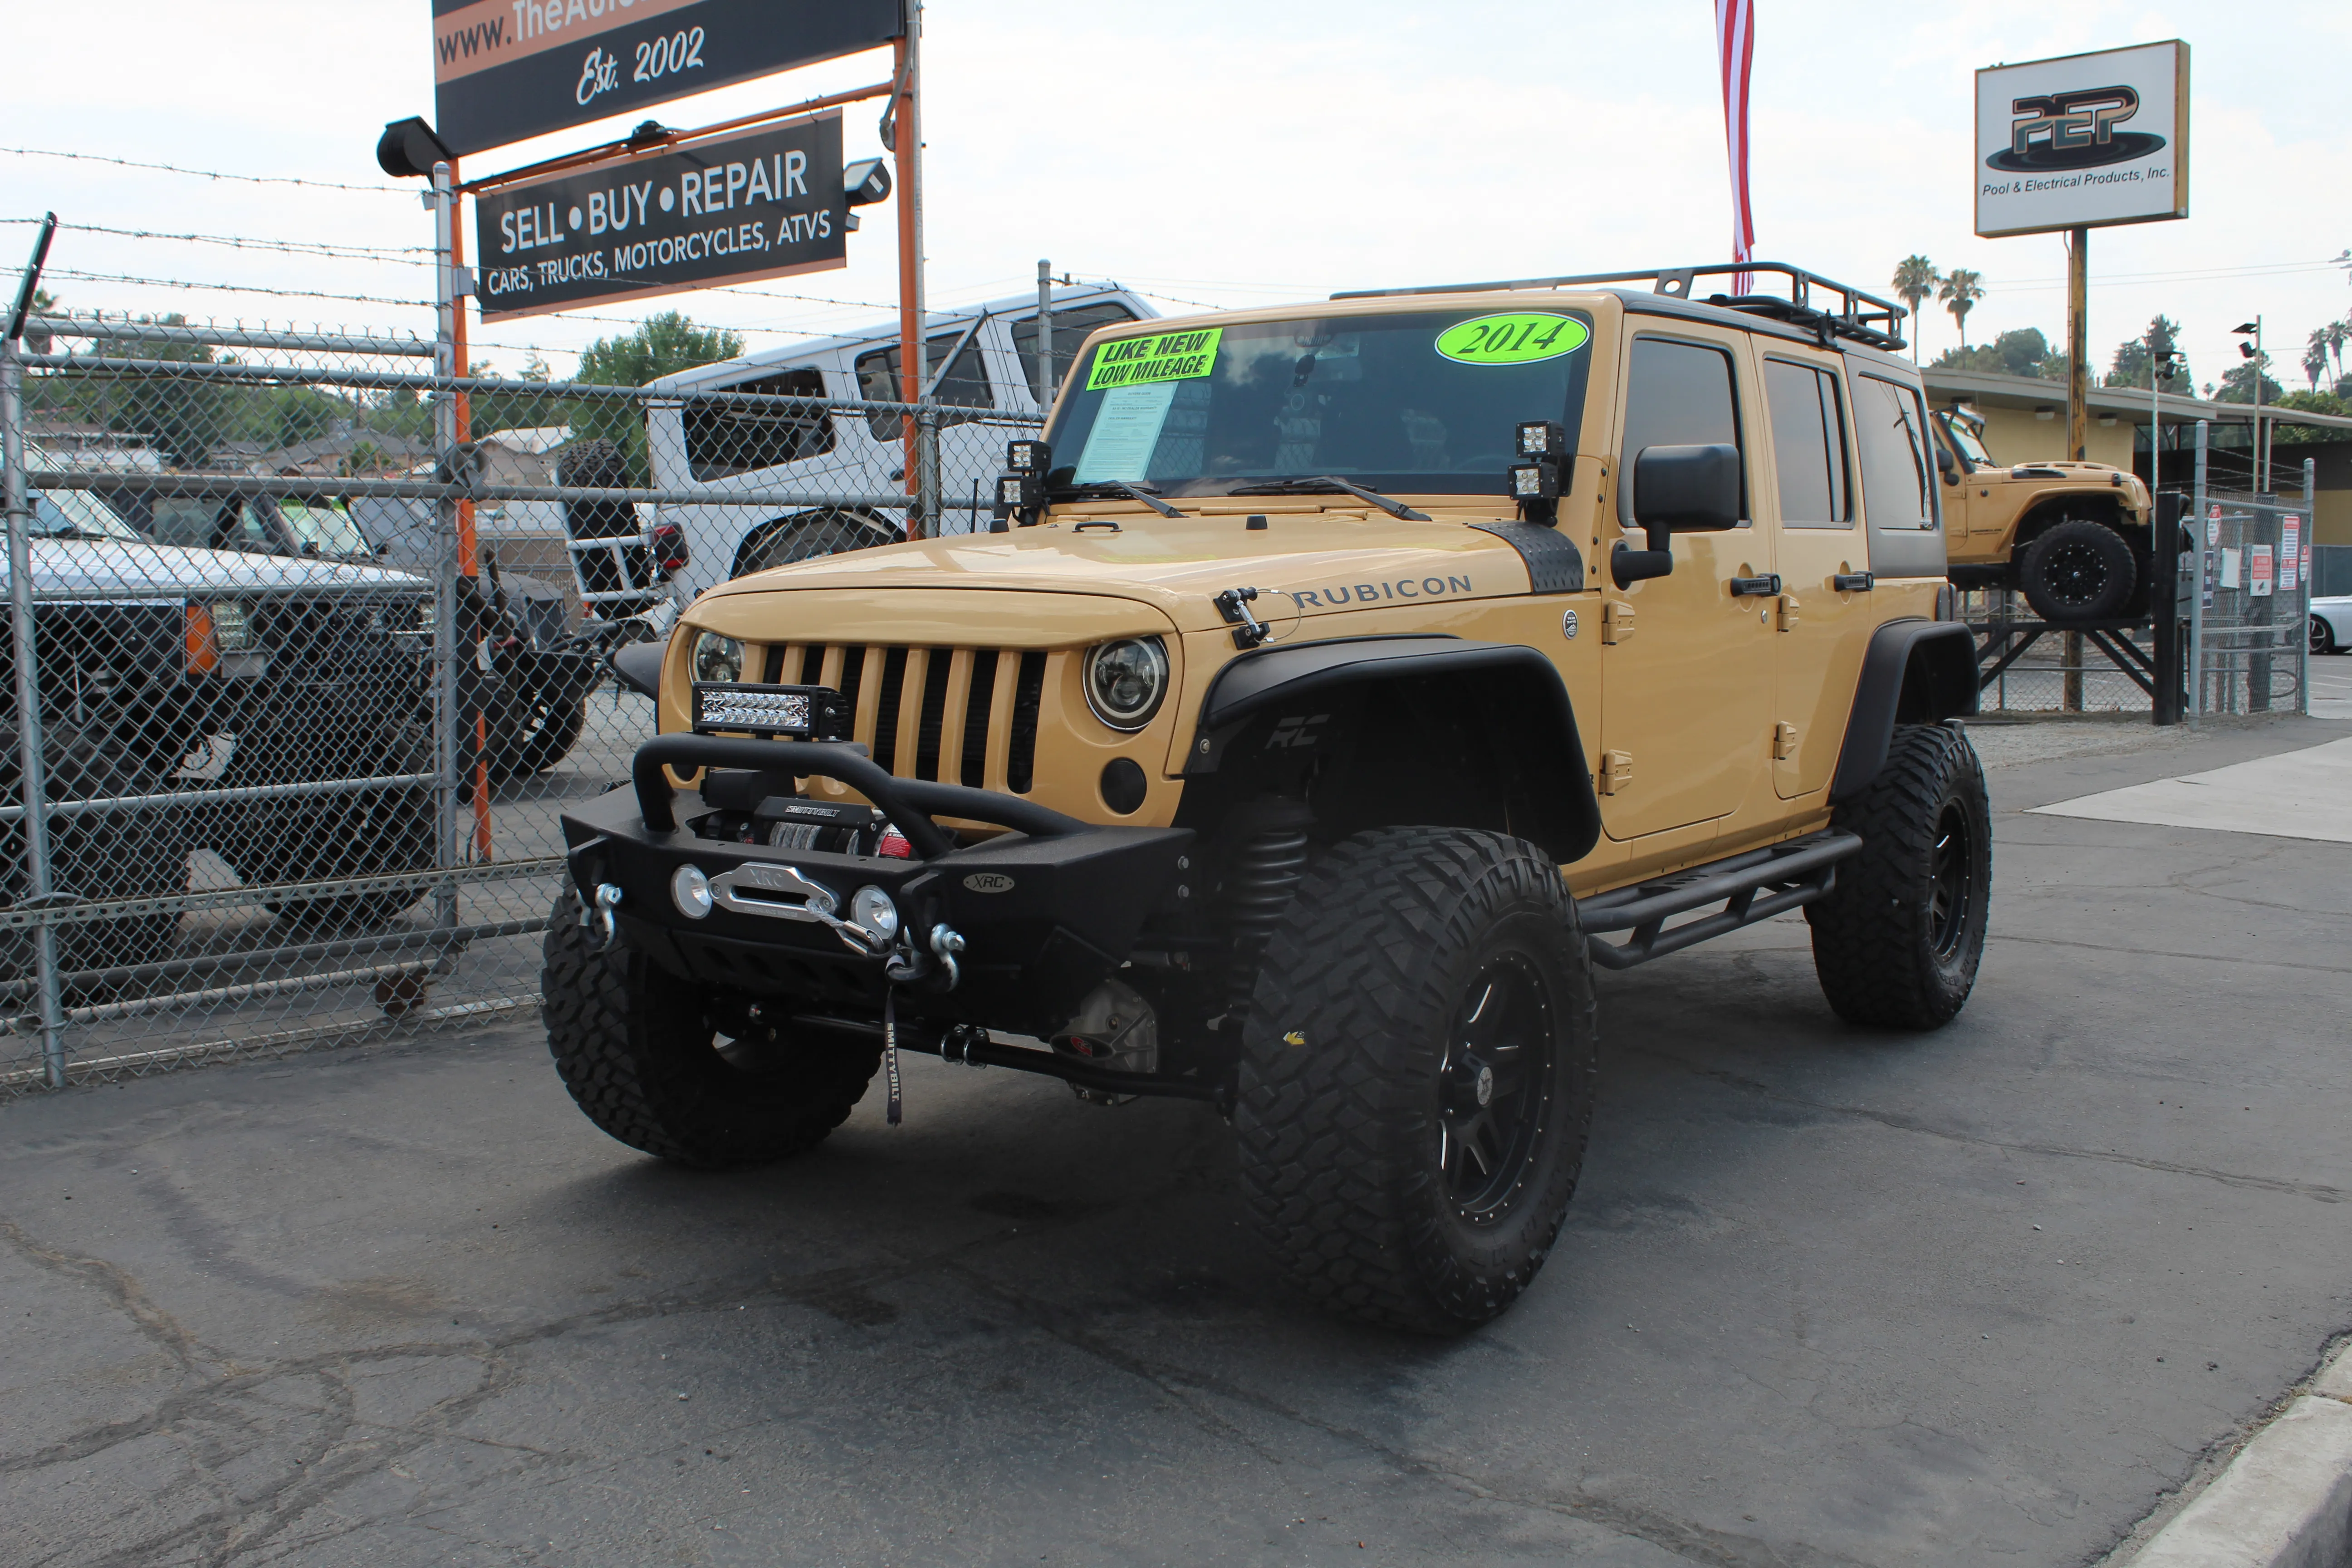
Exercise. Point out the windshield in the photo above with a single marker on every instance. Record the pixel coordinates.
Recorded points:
(1965, 442)
(77, 514)
(322, 529)
(1418, 402)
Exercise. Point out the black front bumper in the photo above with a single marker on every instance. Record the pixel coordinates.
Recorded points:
(1044, 911)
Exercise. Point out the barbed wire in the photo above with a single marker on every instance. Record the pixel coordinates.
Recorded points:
(208, 173)
(403, 256)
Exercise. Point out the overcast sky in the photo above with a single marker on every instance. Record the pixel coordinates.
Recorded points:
(1221, 153)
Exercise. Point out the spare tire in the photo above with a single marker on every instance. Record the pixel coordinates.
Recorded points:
(2079, 571)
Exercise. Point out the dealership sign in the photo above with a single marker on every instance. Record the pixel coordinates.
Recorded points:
(505, 71)
(761, 204)
(2084, 141)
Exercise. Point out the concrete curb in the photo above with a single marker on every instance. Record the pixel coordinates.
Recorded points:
(2285, 1501)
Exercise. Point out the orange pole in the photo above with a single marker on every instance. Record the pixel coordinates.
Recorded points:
(911, 260)
(468, 555)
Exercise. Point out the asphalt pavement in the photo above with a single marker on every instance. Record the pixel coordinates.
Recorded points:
(1827, 1296)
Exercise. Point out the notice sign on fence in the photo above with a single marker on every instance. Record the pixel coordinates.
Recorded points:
(2290, 550)
(2258, 570)
(757, 205)
(504, 71)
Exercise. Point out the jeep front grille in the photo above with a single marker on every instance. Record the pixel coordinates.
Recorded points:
(960, 715)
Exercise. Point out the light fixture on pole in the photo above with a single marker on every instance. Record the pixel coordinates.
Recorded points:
(2161, 368)
(2254, 351)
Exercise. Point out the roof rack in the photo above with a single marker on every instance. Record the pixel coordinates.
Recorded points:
(1863, 317)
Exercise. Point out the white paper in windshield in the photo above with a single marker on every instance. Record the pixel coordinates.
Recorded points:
(1127, 427)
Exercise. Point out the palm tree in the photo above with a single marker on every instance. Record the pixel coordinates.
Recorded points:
(2337, 333)
(1961, 290)
(2315, 357)
(1914, 280)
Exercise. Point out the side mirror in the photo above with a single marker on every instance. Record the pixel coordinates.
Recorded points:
(1950, 465)
(1677, 489)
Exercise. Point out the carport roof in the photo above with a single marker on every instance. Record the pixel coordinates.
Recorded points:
(1983, 389)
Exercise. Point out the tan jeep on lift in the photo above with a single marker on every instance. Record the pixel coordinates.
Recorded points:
(2072, 536)
(1339, 685)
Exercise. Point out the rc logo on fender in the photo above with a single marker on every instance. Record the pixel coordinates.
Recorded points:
(989, 882)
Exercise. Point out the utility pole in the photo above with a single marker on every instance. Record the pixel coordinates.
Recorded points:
(2078, 344)
(1044, 335)
(906, 143)
(2253, 352)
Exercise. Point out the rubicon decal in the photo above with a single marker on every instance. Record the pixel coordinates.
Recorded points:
(1337, 596)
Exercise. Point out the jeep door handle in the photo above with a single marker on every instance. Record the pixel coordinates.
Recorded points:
(1854, 583)
(1750, 587)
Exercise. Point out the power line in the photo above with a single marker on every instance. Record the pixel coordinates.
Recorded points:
(208, 173)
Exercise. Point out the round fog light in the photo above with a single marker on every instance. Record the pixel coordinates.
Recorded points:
(871, 907)
(689, 889)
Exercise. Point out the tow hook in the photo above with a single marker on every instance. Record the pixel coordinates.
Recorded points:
(910, 963)
(608, 897)
(946, 942)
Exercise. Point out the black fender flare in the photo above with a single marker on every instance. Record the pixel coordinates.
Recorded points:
(639, 666)
(1913, 672)
(1521, 679)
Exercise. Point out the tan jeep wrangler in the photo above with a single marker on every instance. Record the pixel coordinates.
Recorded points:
(2072, 536)
(1342, 684)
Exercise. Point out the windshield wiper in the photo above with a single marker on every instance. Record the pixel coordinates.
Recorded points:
(1326, 484)
(1147, 494)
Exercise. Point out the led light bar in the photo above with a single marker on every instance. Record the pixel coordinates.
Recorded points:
(803, 713)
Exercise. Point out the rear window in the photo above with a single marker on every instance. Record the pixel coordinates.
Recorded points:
(1891, 428)
(1808, 445)
(724, 438)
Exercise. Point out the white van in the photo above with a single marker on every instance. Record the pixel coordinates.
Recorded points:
(984, 360)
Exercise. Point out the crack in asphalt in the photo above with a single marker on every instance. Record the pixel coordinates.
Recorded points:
(2317, 1191)
(1694, 1543)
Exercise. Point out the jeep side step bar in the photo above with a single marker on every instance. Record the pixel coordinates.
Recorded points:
(1797, 872)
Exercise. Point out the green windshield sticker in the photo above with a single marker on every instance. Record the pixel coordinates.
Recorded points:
(1166, 356)
(1521, 338)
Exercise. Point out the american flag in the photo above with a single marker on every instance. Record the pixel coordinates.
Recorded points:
(1735, 49)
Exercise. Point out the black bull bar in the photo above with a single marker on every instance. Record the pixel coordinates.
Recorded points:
(1042, 911)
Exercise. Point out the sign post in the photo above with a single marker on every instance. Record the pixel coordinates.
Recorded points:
(2080, 143)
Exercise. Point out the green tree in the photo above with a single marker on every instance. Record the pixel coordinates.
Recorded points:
(664, 345)
(1916, 279)
(2135, 357)
(2021, 351)
(1959, 292)
(183, 416)
(2238, 386)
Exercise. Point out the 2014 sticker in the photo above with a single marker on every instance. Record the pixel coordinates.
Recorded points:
(1522, 337)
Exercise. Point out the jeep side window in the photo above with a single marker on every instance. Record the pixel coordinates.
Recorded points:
(1808, 445)
(720, 442)
(965, 385)
(1897, 464)
(1678, 394)
(1070, 329)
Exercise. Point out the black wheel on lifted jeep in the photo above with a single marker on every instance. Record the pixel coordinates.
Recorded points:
(666, 1066)
(1417, 1076)
(1898, 940)
(2079, 571)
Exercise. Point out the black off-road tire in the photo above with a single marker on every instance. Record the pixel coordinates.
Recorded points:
(2079, 571)
(1353, 1085)
(643, 1055)
(1897, 942)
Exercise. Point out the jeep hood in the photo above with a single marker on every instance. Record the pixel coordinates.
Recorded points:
(1319, 562)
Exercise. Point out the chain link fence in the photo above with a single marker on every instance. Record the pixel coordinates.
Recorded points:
(309, 645)
(2246, 586)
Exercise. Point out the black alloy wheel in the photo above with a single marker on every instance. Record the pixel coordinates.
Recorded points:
(2081, 570)
(2323, 636)
(1952, 881)
(1496, 1088)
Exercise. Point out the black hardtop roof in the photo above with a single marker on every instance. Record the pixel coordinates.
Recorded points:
(1846, 313)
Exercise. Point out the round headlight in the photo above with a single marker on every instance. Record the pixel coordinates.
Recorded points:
(718, 659)
(689, 889)
(1126, 680)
